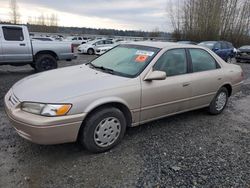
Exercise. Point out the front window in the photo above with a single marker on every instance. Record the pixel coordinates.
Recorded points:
(173, 62)
(126, 60)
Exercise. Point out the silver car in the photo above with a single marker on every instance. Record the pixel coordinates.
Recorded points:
(128, 86)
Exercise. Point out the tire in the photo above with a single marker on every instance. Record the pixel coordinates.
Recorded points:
(100, 132)
(91, 51)
(32, 65)
(216, 106)
(45, 62)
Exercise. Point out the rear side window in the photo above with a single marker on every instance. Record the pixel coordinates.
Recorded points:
(99, 42)
(224, 45)
(229, 45)
(13, 33)
(202, 60)
(217, 46)
(108, 42)
(173, 62)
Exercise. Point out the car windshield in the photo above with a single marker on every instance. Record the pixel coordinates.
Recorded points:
(245, 47)
(209, 45)
(125, 60)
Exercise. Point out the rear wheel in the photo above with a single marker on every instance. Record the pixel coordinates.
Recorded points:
(32, 65)
(45, 62)
(103, 130)
(219, 102)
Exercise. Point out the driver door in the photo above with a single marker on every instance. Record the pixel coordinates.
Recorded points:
(161, 98)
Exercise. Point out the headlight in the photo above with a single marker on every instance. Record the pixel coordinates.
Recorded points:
(51, 110)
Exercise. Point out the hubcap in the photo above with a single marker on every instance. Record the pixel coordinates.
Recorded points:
(107, 132)
(221, 101)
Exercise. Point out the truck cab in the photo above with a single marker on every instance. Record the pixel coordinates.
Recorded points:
(15, 44)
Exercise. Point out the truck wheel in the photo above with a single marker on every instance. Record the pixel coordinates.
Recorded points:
(91, 51)
(103, 130)
(32, 65)
(45, 62)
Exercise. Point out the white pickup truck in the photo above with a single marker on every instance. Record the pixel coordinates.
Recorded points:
(16, 48)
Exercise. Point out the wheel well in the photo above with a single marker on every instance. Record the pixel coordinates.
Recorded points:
(229, 89)
(91, 49)
(46, 52)
(118, 105)
(124, 109)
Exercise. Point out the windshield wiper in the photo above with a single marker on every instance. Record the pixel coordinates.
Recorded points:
(111, 71)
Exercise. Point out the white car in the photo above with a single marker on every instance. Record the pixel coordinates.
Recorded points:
(91, 46)
(76, 40)
(102, 50)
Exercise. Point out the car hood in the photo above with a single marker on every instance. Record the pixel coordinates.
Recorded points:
(61, 84)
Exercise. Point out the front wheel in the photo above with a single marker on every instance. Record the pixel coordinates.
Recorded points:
(103, 130)
(219, 102)
(90, 51)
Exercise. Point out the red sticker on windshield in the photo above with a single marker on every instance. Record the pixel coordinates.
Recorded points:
(141, 58)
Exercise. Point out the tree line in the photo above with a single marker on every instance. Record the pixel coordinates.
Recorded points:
(200, 20)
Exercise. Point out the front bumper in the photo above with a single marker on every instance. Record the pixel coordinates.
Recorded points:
(43, 130)
(82, 51)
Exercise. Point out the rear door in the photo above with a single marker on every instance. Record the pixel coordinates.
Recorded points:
(207, 77)
(16, 46)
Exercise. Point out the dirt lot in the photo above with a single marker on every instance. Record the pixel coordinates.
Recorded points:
(189, 150)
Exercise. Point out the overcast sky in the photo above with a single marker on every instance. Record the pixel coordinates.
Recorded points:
(116, 14)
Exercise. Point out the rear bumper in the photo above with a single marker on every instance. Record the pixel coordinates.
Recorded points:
(67, 56)
(237, 87)
(44, 130)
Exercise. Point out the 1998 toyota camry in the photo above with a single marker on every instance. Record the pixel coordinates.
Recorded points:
(130, 85)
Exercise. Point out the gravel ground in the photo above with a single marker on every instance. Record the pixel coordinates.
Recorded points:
(188, 150)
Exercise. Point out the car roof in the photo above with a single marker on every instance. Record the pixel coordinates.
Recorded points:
(162, 45)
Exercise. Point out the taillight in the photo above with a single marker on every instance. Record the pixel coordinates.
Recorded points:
(72, 48)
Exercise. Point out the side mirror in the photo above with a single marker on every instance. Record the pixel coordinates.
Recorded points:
(156, 75)
(215, 49)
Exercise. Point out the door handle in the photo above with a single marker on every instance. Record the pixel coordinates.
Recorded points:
(185, 84)
(219, 78)
(22, 44)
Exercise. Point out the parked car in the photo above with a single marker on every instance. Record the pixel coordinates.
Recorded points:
(77, 40)
(187, 42)
(16, 48)
(243, 54)
(91, 46)
(223, 49)
(128, 86)
(102, 50)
